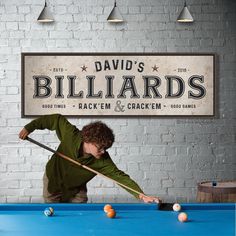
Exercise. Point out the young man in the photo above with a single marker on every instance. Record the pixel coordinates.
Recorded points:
(65, 181)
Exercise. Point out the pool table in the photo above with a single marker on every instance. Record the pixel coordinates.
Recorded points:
(132, 219)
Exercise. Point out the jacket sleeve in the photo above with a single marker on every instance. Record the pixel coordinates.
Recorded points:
(55, 122)
(111, 170)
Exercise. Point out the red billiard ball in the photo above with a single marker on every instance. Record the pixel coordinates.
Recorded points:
(182, 217)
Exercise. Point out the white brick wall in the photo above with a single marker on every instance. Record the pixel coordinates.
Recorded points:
(167, 157)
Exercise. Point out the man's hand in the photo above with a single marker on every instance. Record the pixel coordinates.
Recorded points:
(149, 199)
(23, 133)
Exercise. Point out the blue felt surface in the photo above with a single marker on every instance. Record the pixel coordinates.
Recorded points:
(132, 219)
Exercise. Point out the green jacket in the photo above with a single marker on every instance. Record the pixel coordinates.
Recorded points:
(65, 176)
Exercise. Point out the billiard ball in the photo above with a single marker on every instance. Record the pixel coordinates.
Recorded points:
(47, 212)
(176, 207)
(107, 208)
(52, 210)
(182, 217)
(111, 213)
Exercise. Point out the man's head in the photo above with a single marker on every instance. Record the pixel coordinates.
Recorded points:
(97, 137)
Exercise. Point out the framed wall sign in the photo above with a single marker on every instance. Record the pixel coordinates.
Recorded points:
(118, 84)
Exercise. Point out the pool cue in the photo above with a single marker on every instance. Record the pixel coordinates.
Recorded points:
(81, 165)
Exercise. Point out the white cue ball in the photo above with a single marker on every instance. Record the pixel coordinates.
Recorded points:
(176, 207)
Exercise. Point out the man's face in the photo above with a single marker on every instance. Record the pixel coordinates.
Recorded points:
(94, 149)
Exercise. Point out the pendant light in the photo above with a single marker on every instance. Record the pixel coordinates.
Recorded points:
(115, 15)
(185, 16)
(45, 15)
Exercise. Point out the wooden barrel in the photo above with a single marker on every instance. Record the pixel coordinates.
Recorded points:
(223, 191)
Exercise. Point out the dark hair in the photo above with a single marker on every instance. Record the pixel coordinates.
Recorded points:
(99, 133)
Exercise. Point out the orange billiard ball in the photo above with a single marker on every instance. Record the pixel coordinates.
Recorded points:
(183, 217)
(111, 213)
(107, 208)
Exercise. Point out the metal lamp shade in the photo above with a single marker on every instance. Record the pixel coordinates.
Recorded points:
(185, 15)
(115, 15)
(45, 15)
